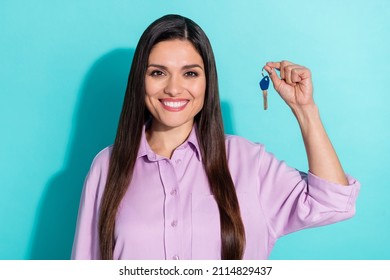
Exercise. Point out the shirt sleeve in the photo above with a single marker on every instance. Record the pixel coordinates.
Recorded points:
(86, 240)
(293, 200)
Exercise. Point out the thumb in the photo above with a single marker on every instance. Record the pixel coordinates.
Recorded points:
(276, 81)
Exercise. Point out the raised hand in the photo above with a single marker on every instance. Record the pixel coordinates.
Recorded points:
(294, 84)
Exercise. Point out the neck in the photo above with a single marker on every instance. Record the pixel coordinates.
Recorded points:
(164, 140)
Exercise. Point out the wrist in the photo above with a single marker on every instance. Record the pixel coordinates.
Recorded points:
(307, 116)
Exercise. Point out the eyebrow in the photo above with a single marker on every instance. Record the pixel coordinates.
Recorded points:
(189, 66)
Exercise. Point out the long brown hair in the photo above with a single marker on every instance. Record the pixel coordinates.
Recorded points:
(210, 136)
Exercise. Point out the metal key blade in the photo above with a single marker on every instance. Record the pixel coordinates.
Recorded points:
(265, 99)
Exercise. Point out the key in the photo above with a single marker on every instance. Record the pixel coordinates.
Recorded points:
(264, 84)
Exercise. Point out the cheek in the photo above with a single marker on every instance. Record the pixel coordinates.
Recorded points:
(149, 97)
(149, 88)
(148, 104)
(200, 92)
(151, 102)
(153, 87)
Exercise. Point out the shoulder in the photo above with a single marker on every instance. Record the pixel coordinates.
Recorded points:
(97, 175)
(101, 161)
(244, 159)
(102, 156)
(242, 147)
(238, 142)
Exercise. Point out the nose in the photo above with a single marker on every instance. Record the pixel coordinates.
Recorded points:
(173, 86)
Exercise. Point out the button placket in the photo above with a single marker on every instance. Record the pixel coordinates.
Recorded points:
(171, 209)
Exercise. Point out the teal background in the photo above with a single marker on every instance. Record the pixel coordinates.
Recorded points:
(63, 71)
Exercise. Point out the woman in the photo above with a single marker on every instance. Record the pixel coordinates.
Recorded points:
(173, 186)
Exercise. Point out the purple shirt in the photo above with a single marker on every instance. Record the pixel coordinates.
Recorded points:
(169, 212)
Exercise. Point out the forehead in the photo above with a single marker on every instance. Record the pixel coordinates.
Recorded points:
(178, 51)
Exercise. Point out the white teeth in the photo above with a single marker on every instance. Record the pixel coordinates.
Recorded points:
(174, 104)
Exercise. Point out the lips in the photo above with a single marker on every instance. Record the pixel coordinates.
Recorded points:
(174, 105)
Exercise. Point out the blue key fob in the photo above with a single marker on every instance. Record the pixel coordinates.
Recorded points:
(264, 83)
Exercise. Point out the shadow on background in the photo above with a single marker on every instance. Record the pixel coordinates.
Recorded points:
(227, 118)
(94, 128)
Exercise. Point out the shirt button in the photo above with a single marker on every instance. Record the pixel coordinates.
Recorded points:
(175, 257)
(178, 161)
(174, 192)
(174, 223)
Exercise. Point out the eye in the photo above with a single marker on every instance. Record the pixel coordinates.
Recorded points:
(156, 73)
(191, 74)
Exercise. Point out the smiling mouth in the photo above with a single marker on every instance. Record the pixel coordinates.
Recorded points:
(174, 106)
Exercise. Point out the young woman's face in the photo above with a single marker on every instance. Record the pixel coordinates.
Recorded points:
(175, 84)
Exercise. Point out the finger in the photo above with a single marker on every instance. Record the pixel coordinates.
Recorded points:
(295, 74)
(280, 66)
(276, 81)
(299, 74)
(284, 64)
(273, 65)
(292, 73)
(287, 74)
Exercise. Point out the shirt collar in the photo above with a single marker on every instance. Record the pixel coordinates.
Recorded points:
(144, 148)
(192, 141)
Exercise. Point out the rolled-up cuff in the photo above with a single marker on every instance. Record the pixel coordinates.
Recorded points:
(335, 196)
